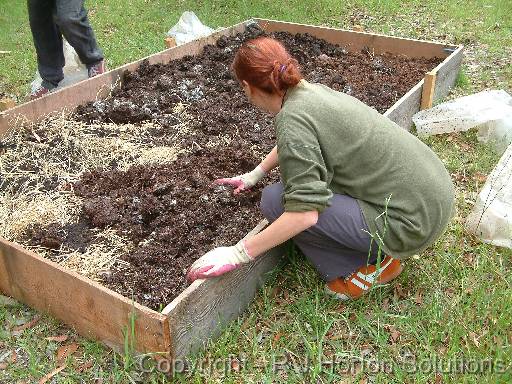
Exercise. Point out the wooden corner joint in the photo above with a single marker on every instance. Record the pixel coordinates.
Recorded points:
(427, 94)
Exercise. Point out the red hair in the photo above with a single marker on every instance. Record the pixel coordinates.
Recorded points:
(265, 64)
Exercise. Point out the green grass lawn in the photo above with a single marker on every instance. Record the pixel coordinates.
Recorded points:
(453, 303)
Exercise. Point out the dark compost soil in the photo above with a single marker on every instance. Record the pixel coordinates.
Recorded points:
(172, 213)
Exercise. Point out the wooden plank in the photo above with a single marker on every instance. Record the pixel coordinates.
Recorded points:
(93, 310)
(206, 306)
(202, 310)
(355, 41)
(447, 72)
(402, 111)
(427, 92)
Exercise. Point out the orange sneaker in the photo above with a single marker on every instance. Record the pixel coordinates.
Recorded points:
(359, 282)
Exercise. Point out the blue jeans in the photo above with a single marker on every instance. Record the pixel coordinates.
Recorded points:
(338, 244)
(49, 21)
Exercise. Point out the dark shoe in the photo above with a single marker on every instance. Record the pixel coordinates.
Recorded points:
(40, 91)
(97, 69)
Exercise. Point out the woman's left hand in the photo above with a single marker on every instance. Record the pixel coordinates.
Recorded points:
(218, 261)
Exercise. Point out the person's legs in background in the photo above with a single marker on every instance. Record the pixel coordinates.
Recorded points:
(49, 20)
(71, 17)
(338, 244)
(48, 44)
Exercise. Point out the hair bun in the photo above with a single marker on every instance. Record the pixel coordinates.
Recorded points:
(264, 63)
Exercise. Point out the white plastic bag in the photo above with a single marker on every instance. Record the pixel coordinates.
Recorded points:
(489, 111)
(189, 28)
(491, 218)
(74, 69)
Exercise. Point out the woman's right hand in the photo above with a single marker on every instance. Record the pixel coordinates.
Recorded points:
(245, 181)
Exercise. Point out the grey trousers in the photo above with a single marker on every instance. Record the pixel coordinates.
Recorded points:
(49, 20)
(338, 244)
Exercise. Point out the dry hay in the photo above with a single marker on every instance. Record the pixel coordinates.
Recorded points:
(98, 258)
(40, 162)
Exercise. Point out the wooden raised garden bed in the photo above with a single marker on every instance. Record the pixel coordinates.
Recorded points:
(200, 311)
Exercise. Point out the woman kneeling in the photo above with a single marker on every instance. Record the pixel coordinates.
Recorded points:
(355, 185)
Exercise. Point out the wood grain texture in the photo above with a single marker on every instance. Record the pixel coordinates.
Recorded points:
(427, 91)
(206, 306)
(201, 311)
(403, 110)
(93, 310)
(446, 74)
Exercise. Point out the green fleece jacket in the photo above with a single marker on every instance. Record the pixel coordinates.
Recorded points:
(329, 142)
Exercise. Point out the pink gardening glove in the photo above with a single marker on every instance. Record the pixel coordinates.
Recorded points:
(218, 261)
(245, 181)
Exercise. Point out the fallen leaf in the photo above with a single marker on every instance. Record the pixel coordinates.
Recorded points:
(475, 338)
(399, 292)
(395, 334)
(419, 297)
(460, 176)
(14, 356)
(19, 329)
(276, 338)
(439, 378)
(3, 366)
(85, 366)
(480, 177)
(385, 304)
(66, 350)
(98, 380)
(464, 146)
(245, 324)
(275, 291)
(469, 258)
(48, 376)
(235, 365)
(58, 339)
